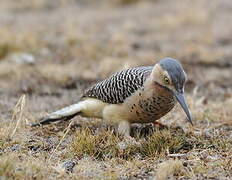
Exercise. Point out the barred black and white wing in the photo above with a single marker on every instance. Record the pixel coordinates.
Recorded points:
(120, 85)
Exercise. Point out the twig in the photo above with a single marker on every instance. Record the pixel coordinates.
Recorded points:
(18, 109)
(67, 130)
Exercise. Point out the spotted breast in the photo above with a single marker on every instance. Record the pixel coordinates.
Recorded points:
(148, 105)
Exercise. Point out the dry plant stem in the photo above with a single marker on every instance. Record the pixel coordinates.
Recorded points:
(19, 108)
(66, 132)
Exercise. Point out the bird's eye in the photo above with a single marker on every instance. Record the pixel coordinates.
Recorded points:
(166, 80)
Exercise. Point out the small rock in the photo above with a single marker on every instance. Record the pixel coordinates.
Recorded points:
(22, 58)
(69, 165)
(122, 145)
(15, 147)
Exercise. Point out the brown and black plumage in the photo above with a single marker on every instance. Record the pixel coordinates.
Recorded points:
(120, 85)
(135, 95)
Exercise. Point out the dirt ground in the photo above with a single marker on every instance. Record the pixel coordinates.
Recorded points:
(51, 51)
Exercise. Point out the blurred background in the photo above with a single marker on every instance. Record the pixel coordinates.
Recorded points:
(52, 50)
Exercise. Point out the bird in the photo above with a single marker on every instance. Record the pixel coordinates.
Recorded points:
(136, 95)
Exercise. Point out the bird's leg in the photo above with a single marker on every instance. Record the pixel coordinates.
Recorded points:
(113, 114)
(124, 128)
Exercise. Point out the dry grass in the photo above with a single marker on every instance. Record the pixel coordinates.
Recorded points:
(76, 43)
(29, 168)
(169, 168)
(6, 49)
(198, 153)
(108, 145)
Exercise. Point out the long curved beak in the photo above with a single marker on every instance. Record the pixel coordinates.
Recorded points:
(181, 99)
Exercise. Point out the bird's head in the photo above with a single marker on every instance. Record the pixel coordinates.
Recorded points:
(170, 74)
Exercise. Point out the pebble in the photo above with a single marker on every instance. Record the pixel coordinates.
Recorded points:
(69, 165)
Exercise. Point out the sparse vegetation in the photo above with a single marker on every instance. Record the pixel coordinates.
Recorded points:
(108, 145)
(6, 49)
(126, 1)
(163, 142)
(169, 169)
(75, 49)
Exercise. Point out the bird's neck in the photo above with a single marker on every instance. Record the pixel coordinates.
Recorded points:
(154, 88)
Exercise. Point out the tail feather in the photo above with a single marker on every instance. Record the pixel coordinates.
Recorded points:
(64, 114)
